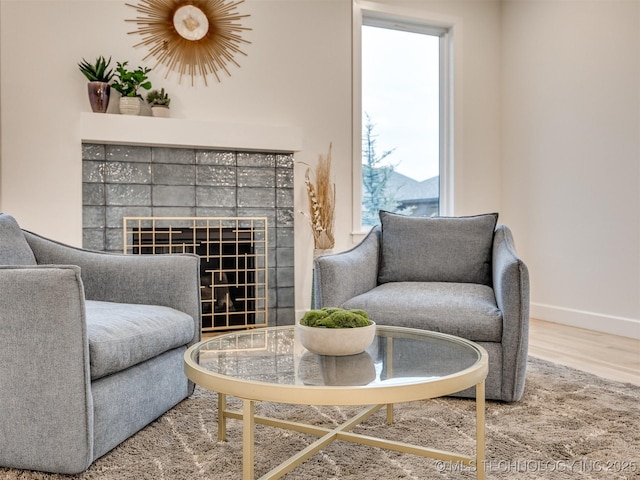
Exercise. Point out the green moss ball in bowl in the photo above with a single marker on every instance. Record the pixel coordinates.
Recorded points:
(336, 331)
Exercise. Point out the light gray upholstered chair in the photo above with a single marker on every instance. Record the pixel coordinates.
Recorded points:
(91, 347)
(459, 275)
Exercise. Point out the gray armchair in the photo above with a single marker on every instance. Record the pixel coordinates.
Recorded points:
(459, 276)
(91, 347)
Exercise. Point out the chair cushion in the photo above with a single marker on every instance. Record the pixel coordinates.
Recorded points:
(466, 310)
(14, 249)
(436, 249)
(122, 335)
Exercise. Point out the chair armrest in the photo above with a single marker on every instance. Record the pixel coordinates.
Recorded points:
(511, 288)
(342, 276)
(44, 370)
(168, 280)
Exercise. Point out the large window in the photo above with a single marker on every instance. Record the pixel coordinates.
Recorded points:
(404, 129)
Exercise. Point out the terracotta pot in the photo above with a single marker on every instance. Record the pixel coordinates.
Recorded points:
(99, 93)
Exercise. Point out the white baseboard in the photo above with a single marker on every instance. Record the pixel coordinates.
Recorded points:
(624, 327)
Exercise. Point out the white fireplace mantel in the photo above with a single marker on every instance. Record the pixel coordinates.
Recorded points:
(179, 132)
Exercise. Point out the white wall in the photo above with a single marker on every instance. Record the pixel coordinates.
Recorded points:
(547, 130)
(297, 72)
(291, 54)
(571, 157)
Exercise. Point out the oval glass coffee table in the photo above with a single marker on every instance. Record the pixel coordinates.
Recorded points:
(401, 365)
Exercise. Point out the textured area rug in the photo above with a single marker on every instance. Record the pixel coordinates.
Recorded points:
(569, 424)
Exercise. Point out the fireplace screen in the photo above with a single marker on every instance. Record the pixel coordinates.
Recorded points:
(233, 262)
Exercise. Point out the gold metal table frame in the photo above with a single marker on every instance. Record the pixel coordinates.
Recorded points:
(374, 395)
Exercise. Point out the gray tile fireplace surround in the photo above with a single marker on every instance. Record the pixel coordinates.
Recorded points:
(124, 180)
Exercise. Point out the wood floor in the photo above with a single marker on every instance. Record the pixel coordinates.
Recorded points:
(608, 356)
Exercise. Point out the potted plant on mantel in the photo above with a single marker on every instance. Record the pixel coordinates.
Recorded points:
(159, 102)
(128, 83)
(98, 86)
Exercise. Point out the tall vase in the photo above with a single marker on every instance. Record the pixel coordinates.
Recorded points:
(99, 93)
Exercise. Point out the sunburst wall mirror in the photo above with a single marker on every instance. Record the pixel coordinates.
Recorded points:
(191, 37)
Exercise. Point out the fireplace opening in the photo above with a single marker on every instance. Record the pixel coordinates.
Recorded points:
(233, 263)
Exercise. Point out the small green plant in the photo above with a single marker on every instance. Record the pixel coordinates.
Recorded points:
(97, 72)
(155, 97)
(336, 318)
(128, 82)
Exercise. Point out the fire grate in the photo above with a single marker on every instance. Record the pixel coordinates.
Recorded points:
(233, 262)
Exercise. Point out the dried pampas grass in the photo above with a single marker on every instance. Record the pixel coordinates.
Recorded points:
(322, 197)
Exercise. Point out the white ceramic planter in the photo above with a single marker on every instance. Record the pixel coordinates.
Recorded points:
(160, 111)
(129, 105)
(336, 341)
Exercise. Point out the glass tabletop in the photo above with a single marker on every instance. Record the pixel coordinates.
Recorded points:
(398, 356)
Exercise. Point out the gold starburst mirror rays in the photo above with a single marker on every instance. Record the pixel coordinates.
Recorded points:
(191, 37)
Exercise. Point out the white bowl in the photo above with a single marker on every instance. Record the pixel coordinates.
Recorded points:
(336, 341)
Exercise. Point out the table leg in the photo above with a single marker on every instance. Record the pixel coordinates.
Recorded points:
(248, 443)
(222, 419)
(389, 413)
(480, 423)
